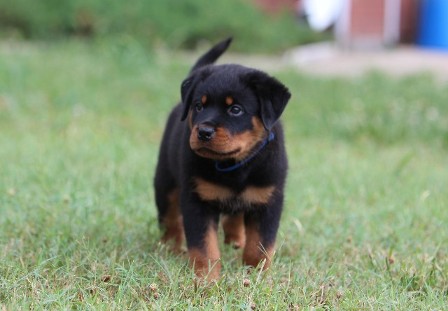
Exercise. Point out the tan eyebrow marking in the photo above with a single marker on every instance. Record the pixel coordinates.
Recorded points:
(204, 99)
(229, 100)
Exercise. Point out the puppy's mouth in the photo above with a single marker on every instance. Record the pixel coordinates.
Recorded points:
(216, 155)
(222, 145)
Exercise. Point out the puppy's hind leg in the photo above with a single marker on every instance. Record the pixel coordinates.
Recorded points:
(234, 232)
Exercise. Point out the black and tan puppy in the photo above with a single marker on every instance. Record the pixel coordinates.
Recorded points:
(223, 154)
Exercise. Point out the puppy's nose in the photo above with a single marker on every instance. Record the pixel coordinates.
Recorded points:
(205, 132)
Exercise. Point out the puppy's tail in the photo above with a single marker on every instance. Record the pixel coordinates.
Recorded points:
(213, 54)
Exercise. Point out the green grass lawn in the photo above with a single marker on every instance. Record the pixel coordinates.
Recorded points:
(365, 221)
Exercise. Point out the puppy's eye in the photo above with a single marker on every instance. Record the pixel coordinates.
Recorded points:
(199, 107)
(235, 110)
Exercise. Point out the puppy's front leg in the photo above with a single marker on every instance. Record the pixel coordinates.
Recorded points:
(261, 231)
(201, 228)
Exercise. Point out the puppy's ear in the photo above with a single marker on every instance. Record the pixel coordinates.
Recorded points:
(187, 90)
(272, 94)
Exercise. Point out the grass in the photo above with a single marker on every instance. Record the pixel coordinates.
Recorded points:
(365, 215)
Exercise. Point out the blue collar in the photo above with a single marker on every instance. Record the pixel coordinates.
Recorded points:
(237, 165)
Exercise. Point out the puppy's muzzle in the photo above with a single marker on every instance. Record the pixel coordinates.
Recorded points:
(206, 133)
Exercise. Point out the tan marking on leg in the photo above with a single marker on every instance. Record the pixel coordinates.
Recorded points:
(206, 262)
(254, 251)
(209, 191)
(234, 233)
(172, 222)
(257, 195)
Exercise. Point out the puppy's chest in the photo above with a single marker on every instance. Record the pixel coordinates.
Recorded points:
(233, 197)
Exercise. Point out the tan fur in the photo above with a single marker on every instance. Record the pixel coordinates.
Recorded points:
(227, 146)
(246, 141)
(207, 262)
(257, 195)
(254, 251)
(208, 191)
(173, 222)
(233, 226)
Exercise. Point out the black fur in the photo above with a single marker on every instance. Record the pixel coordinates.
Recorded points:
(207, 130)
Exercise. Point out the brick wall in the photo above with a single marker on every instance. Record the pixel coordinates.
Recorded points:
(367, 19)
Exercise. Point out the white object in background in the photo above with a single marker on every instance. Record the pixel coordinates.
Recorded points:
(321, 14)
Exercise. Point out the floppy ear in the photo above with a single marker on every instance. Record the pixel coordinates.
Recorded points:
(272, 94)
(187, 90)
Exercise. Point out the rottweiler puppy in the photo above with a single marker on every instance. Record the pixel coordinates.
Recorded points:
(223, 154)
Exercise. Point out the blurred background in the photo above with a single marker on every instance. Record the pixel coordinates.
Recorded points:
(348, 28)
(259, 25)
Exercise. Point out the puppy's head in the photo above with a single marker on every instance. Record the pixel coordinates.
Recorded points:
(230, 109)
